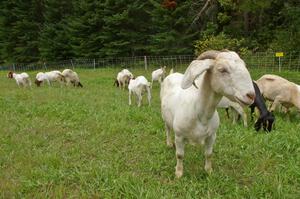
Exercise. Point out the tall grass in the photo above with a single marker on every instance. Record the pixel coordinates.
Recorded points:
(88, 143)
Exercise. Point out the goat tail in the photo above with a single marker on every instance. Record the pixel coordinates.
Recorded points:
(171, 71)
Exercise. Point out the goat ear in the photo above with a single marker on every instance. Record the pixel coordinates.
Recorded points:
(196, 68)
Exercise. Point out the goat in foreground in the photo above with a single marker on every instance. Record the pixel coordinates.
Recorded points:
(191, 112)
(138, 86)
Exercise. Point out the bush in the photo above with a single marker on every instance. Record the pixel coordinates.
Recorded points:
(219, 42)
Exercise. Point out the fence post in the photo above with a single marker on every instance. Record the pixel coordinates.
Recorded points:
(45, 66)
(145, 62)
(72, 64)
(94, 64)
(14, 67)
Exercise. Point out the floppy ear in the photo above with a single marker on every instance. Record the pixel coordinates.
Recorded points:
(196, 68)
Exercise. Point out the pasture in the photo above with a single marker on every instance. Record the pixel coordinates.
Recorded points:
(89, 143)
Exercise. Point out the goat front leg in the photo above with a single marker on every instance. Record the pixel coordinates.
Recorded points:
(275, 104)
(148, 95)
(179, 143)
(139, 95)
(209, 142)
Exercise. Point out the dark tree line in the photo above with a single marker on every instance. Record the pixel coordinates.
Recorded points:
(47, 30)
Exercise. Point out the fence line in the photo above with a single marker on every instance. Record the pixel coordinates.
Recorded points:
(263, 61)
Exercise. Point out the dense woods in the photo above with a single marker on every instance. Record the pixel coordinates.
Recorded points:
(47, 30)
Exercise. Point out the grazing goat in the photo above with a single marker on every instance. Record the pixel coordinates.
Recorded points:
(227, 103)
(138, 86)
(71, 77)
(191, 112)
(123, 77)
(21, 79)
(266, 118)
(53, 76)
(158, 75)
(280, 91)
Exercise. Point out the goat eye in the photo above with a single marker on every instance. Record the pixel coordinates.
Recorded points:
(223, 70)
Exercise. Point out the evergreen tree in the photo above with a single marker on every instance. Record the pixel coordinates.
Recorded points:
(20, 26)
(172, 28)
(54, 40)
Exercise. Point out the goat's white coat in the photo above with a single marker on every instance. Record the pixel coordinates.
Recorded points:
(52, 76)
(138, 86)
(71, 77)
(124, 76)
(227, 103)
(280, 91)
(22, 79)
(190, 112)
(158, 75)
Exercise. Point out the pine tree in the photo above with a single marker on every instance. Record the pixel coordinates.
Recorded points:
(21, 23)
(55, 41)
(172, 32)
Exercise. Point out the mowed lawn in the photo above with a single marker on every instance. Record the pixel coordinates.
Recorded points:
(89, 143)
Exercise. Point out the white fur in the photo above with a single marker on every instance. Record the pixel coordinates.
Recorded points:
(138, 86)
(22, 79)
(123, 77)
(280, 91)
(71, 77)
(158, 75)
(227, 103)
(52, 76)
(191, 112)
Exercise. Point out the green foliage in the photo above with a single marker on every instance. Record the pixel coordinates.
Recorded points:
(50, 30)
(219, 42)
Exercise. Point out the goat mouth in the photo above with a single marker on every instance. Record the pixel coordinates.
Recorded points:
(241, 102)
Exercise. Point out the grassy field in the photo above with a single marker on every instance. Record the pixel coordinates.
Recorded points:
(88, 143)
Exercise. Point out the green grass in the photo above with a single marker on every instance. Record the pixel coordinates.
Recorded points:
(88, 143)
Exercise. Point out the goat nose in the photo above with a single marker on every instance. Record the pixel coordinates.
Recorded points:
(251, 96)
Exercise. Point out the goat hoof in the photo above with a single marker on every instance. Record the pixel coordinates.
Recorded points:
(178, 173)
(208, 170)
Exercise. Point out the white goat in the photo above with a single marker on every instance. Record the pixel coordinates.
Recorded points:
(280, 91)
(158, 75)
(191, 112)
(71, 77)
(138, 86)
(53, 76)
(21, 79)
(227, 103)
(123, 77)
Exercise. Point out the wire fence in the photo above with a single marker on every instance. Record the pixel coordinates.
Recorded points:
(262, 61)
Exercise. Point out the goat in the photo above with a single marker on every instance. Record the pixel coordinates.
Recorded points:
(52, 76)
(191, 112)
(280, 91)
(227, 103)
(158, 75)
(138, 86)
(123, 77)
(71, 77)
(21, 79)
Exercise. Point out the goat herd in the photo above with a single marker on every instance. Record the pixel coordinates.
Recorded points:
(216, 79)
(66, 77)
